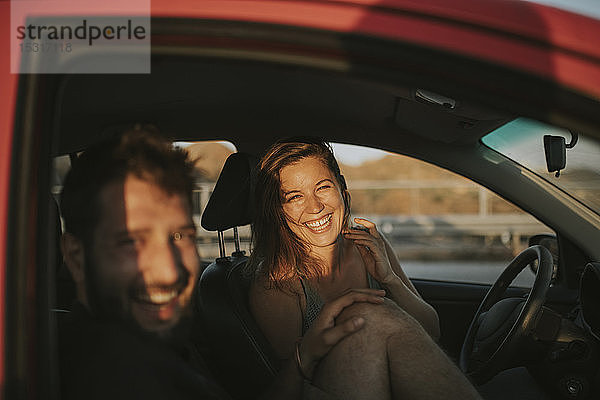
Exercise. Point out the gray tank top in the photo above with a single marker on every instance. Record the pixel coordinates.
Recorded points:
(314, 302)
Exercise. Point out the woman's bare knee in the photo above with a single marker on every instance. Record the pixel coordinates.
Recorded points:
(358, 366)
(382, 320)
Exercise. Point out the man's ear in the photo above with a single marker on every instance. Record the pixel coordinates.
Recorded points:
(74, 256)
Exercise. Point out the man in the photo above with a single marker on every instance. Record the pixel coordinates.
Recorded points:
(129, 244)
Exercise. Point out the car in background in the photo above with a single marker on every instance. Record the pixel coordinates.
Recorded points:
(471, 86)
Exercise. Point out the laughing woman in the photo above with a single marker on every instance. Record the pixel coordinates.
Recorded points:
(305, 254)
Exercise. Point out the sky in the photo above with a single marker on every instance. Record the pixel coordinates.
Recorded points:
(355, 155)
(585, 7)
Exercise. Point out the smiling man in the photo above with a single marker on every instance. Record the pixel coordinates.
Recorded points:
(130, 237)
(129, 243)
(143, 261)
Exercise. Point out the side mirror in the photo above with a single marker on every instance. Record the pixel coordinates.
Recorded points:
(551, 243)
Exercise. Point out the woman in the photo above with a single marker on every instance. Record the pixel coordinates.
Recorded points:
(305, 253)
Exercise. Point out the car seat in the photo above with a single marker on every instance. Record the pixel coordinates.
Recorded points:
(238, 353)
(65, 292)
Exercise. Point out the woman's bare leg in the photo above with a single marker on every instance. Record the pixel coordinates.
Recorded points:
(392, 357)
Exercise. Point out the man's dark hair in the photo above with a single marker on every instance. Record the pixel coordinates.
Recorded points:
(141, 152)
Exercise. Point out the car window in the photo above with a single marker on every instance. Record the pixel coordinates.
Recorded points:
(442, 225)
(209, 159)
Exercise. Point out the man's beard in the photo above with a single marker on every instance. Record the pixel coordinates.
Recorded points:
(108, 306)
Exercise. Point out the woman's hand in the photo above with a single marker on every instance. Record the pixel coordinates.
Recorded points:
(324, 333)
(371, 247)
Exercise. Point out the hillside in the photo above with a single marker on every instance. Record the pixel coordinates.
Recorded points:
(209, 157)
(393, 167)
(417, 201)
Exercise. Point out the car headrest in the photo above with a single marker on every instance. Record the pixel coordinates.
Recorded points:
(230, 203)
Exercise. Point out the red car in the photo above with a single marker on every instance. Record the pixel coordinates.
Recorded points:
(471, 86)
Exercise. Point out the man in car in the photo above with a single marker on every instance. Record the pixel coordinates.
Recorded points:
(129, 244)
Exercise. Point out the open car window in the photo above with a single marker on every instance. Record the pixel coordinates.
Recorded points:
(443, 226)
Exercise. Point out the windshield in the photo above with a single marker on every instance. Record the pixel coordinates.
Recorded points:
(522, 140)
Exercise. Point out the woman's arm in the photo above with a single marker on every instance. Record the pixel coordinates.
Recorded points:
(397, 268)
(413, 304)
(382, 263)
(429, 318)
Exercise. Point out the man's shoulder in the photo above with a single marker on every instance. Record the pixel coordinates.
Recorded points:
(108, 360)
(87, 341)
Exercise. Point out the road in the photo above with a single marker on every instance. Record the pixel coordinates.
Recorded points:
(463, 271)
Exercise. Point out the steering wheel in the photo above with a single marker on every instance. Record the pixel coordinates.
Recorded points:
(499, 327)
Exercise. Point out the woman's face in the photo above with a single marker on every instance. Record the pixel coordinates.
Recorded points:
(312, 201)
